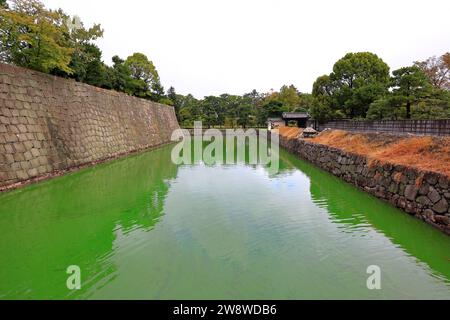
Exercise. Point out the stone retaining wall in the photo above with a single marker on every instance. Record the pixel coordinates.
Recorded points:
(425, 195)
(49, 124)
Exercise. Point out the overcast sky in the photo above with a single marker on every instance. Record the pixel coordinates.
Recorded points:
(208, 47)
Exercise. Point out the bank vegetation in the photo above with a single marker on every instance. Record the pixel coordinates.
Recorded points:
(424, 153)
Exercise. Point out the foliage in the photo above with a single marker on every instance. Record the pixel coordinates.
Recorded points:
(437, 70)
(145, 78)
(120, 77)
(321, 111)
(410, 85)
(86, 61)
(359, 86)
(34, 37)
(358, 80)
(50, 41)
(383, 109)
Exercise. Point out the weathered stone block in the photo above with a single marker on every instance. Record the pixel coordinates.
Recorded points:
(22, 175)
(411, 192)
(15, 166)
(431, 178)
(33, 172)
(441, 207)
(25, 165)
(28, 145)
(423, 200)
(429, 214)
(4, 120)
(433, 195)
(28, 155)
(443, 182)
(424, 189)
(19, 157)
(8, 148)
(35, 152)
(442, 219)
(11, 138)
(9, 158)
(19, 147)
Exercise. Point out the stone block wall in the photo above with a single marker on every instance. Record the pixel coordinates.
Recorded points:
(425, 195)
(49, 124)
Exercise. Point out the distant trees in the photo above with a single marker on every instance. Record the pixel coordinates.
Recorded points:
(361, 87)
(437, 70)
(144, 76)
(356, 81)
(411, 95)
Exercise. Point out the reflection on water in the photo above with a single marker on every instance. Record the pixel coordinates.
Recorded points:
(144, 228)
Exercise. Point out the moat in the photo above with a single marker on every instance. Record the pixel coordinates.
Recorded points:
(144, 228)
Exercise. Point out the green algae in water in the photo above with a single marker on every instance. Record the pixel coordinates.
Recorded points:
(143, 228)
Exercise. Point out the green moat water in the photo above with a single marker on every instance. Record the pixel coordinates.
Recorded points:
(144, 228)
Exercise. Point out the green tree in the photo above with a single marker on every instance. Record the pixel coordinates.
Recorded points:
(426, 111)
(120, 77)
(384, 109)
(176, 101)
(410, 85)
(323, 86)
(358, 80)
(145, 77)
(94, 68)
(212, 114)
(289, 97)
(305, 103)
(34, 37)
(86, 62)
(321, 111)
(257, 100)
(190, 110)
(271, 109)
(157, 92)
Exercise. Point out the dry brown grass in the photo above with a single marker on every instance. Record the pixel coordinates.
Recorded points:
(289, 132)
(424, 153)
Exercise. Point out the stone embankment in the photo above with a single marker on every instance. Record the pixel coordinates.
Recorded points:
(424, 194)
(49, 125)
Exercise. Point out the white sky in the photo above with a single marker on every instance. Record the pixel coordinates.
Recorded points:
(209, 47)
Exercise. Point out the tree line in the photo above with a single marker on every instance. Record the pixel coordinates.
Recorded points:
(360, 86)
(51, 41)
